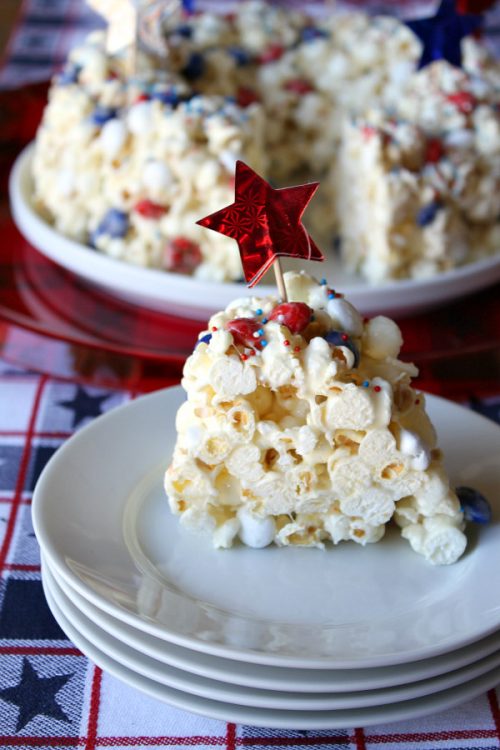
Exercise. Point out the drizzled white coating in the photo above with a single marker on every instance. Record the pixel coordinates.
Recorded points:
(291, 444)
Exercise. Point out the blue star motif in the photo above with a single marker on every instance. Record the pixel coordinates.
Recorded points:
(441, 35)
(35, 695)
(84, 405)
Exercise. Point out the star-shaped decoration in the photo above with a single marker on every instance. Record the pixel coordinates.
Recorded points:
(35, 695)
(121, 17)
(84, 405)
(442, 34)
(265, 222)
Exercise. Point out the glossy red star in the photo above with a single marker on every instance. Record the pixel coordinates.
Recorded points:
(266, 223)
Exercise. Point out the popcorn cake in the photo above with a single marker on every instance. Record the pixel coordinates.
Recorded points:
(301, 427)
(126, 163)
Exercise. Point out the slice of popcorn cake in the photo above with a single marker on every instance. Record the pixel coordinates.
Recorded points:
(301, 427)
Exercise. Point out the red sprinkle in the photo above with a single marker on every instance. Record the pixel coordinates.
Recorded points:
(377, 388)
(298, 86)
(434, 151)
(150, 210)
(296, 349)
(243, 357)
(344, 337)
(463, 101)
(214, 328)
(141, 98)
(368, 131)
(286, 342)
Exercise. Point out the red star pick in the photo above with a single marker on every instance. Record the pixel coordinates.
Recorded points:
(266, 223)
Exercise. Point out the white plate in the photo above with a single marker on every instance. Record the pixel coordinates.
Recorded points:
(278, 678)
(179, 294)
(276, 718)
(256, 697)
(104, 525)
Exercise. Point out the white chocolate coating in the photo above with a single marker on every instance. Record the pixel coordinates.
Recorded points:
(291, 443)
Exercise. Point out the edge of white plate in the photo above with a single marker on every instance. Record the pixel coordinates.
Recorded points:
(183, 295)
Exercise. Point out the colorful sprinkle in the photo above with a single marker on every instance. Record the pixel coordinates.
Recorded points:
(258, 311)
(377, 388)
(214, 328)
(323, 282)
(297, 349)
(260, 331)
(286, 342)
(428, 213)
(263, 342)
(365, 383)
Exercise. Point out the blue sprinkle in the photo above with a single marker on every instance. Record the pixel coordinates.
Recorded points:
(101, 114)
(365, 383)
(260, 331)
(115, 223)
(428, 213)
(263, 342)
(264, 320)
(323, 282)
(195, 67)
(339, 338)
(166, 97)
(332, 295)
(475, 506)
(205, 339)
(258, 311)
(241, 56)
(69, 74)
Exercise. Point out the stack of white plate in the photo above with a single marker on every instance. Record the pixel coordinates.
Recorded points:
(295, 638)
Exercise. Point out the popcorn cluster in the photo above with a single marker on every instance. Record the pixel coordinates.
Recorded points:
(301, 427)
(129, 164)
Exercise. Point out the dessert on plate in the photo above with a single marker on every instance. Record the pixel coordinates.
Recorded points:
(301, 427)
(409, 159)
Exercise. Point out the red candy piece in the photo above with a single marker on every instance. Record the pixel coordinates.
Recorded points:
(272, 53)
(434, 151)
(298, 86)
(150, 210)
(246, 96)
(182, 256)
(243, 329)
(463, 101)
(294, 315)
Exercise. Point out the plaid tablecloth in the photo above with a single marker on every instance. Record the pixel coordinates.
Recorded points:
(51, 696)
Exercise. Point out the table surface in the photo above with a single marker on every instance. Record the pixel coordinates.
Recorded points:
(51, 695)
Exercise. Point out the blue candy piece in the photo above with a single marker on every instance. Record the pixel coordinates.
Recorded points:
(101, 114)
(195, 67)
(206, 339)
(69, 74)
(428, 213)
(474, 505)
(339, 338)
(115, 223)
(184, 30)
(167, 97)
(241, 56)
(310, 33)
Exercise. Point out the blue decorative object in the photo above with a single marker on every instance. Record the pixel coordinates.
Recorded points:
(195, 67)
(205, 339)
(310, 33)
(441, 35)
(475, 506)
(115, 223)
(102, 114)
(340, 338)
(428, 213)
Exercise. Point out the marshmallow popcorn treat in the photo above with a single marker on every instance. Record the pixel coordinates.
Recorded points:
(409, 161)
(301, 427)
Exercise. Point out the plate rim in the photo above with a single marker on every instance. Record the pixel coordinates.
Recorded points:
(474, 276)
(334, 719)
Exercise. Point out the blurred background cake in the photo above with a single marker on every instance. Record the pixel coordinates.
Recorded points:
(129, 157)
